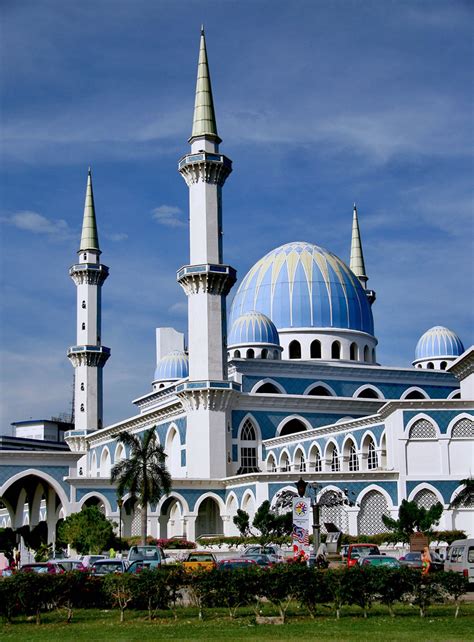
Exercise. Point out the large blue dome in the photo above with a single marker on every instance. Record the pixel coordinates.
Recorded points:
(174, 365)
(438, 342)
(253, 328)
(301, 285)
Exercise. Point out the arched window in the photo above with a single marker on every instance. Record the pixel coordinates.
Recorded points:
(366, 354)
(315, 350)
(300, 462)
(430, 365)
(372, 460)
(374, 360)
(248, 449)
(82, 387)
(83, 326)
(353, 459)
(315, 460)
(336, 350)
(250, 353)
(369, 519)
(334, 461)
(265, 353)
(275, 354)
(422, 429)
(271, 465)
(291, 427)
(267, 388)
(414, 394)
(82, 407)
(463, 429)
(284, 463)
(457, 395)
(294, 350)
(320, 391)
(419, 365)
(368, 393)
(84, 256)
(425, 499)
(236, 354)
(353, 352)
(83, 305)
(443, 365)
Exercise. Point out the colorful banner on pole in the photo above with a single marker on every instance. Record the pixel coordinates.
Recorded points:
(300, 535)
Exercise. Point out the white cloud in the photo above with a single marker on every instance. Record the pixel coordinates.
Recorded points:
(116, 237)
(168, 215)
(37, 224)
(179, 308)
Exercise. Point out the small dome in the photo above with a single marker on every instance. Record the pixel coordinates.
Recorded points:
(438, 342)
(174, 365)
(253, 328)
(301, 285)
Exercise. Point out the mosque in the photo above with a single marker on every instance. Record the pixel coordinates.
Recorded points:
(284, 384)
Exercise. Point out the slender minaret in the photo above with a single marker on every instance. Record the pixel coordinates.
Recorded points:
(206, 282)
(89, 356)
(357, 264)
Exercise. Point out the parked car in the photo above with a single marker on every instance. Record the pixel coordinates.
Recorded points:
(413, 560)
(42, 567)
(150, 552)
(70, 564)
(238, 562)
(260, 559)
(274, 552)
(378, 560)
(89, 560)
(356, 551)
(139, 565)
(199, 560)
(106, 566)
(460, 558)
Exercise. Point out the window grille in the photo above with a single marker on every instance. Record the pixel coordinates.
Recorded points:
(334, 461)
(372, 507)
(422, 429)
(425, 499)
(372, 460)
(463, 429)
(353, 460)
(248, 431)
(248, 453)
(317, 462)
(302, 464)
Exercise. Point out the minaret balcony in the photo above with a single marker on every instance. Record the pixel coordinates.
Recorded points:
(205, 167)
(92, 356)
(207, 278)
(88, 273)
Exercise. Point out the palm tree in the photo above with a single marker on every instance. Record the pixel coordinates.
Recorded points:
(465, 497)
(144, 474)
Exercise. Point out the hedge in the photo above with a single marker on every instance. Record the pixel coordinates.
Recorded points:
(280, 585)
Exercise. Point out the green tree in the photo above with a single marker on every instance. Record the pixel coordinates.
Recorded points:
(143, 474)
(412, 518)
(242, 521)
(465, 497)
(88, 531)
(271, 524)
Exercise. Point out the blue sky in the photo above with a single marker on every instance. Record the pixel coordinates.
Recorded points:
(319, 104)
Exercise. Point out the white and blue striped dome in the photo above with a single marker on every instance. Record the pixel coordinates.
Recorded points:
(301, 285)
(253, 328)
(172, 366)
(438, 342)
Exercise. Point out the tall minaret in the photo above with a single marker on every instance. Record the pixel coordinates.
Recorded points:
(206, 282)
(357, 264)
(89, 356)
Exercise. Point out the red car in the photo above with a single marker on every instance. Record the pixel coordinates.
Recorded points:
(42, 567)
(356, 551)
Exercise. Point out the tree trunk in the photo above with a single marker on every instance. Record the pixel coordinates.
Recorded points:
(144, 523)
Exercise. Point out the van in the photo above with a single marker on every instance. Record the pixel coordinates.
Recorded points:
(460, 558)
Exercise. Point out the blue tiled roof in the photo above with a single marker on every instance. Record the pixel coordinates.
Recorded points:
(253, 328)
(300, 285)
(438, 342)
(174, 365)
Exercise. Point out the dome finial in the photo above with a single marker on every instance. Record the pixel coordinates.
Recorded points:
(357, 263)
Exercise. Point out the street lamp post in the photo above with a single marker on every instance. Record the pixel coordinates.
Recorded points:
(120, 504)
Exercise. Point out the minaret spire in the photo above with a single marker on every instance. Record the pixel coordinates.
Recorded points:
(89, 236)
(357, 263)
(204, 120)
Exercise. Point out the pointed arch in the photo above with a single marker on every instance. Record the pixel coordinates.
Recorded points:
(271, 463)
(315, 458)
(315, 349)
(426, 495)
(249, 446)
(93, 470)
(320, 389)
(58, 489)
(294, 349)
(173, 495)
(284, 461)
(292, 425)
(414, 392)
(368, 447)
(461, 427)
(336, 350)
(277, 387)
(368, 391)
(455, 394)
(331, 457)
(173, 450)
(373, 504)
(299, 459)
(120, 453)
(350, 456)
(419, 422)
(94, 494)
(105, 462)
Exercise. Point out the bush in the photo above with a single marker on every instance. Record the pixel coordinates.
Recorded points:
(175, 543)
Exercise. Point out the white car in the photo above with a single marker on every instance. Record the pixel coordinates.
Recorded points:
(274, 553)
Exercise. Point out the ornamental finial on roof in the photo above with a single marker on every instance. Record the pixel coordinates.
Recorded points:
(204, 121)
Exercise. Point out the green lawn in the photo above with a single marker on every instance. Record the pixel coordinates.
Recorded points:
(94, 625)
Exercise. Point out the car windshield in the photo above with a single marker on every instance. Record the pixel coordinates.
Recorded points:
(196, 557)
(413, 557)
(107, 567)
(144, 552)
(364, 550)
